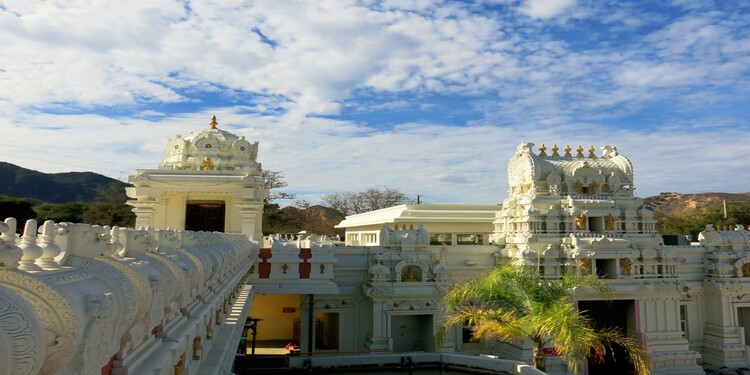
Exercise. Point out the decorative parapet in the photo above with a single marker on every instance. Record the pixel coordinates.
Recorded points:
(77, 298)
(732, 238)
(727, 254)
(295, 257)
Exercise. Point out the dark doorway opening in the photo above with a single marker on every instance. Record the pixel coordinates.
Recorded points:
(205, 216)
(613, 314)
(412, 333)
(326, 331)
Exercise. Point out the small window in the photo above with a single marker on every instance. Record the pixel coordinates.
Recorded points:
(441, 239)
(371, 238)
(683, 322)
(606, 268)
(596, 224)
(470, 239)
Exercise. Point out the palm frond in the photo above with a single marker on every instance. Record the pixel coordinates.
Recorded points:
(512, 303)
(635, 353)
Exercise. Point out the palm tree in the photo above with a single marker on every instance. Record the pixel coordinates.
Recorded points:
(513, 303)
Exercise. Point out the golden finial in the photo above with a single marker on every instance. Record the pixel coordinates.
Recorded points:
(555, 149)
(213, 123)
(543, 150)
(592, 152)
(567, 151)
(579, 152)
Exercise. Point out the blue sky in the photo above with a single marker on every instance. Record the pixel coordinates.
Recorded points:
(427, 96)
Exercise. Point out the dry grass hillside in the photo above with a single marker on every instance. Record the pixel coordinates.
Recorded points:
(668, 203)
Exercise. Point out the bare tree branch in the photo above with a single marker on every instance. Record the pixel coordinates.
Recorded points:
(350, 203)
(275, 180)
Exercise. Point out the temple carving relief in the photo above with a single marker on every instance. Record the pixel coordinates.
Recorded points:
(83, 299)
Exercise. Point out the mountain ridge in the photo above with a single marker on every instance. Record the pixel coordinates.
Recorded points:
(20, 182)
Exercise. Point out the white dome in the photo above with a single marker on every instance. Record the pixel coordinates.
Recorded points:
(211, 149)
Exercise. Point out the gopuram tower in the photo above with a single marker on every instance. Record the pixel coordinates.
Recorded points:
(573, 211)
(210, 180)
(576, 210)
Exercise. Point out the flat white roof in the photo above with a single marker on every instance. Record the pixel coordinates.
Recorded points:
(424, 213)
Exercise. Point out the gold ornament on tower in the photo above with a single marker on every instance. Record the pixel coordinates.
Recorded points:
(581, 222)
(207, 164)
(609, 222)
(594, 187)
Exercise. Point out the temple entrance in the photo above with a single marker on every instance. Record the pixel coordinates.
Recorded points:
(326, 331)
(412, 333)
(206, 216)
(604, 314)
(277, 329)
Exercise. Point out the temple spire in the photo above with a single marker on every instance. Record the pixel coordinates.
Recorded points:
(213, 123)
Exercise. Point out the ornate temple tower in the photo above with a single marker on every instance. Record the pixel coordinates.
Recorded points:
(575, 211)
(210, 180)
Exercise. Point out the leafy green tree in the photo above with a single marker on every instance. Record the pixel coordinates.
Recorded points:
(693, 220)
(19, 208)
(514, 304)
(109, 207)
(71, 212)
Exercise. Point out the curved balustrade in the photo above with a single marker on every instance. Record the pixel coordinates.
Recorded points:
(84, 299)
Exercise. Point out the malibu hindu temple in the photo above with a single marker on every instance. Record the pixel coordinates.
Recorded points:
(197, 288)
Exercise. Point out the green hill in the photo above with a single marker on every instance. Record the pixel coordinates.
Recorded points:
(20, 182)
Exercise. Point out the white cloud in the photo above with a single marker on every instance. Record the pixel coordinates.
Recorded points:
(694, 35)
(269, 70)
(442, 163)
(317, 55)
(659, 75)
(546, 8)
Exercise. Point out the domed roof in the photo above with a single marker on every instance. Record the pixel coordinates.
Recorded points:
(527, 169)
(211, 149)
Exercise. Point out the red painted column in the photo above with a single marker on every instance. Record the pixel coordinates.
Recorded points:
(264, 268)
(304, 266)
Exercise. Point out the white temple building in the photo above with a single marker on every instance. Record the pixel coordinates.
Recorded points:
(82, 299)
(210, 180)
